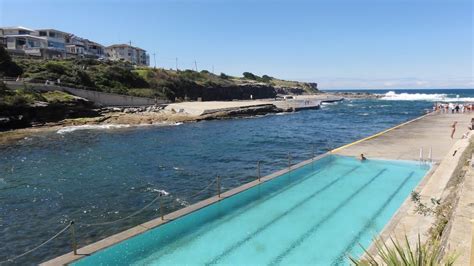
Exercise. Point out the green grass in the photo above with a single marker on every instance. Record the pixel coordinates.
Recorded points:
(124, 78)
(57, 96)
(25, 96)
(19, 97)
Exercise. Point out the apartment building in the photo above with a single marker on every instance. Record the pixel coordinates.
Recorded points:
(126, 52)
(28, 42)
(84, 48)
(52, 43)
(21, 41)
(48, 43)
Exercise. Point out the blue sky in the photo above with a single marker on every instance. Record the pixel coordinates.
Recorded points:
(338, 43)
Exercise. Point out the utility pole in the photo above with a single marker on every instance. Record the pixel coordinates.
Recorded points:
(195, 65)
(154, 59)
(176, 64)
(212, 69)
(130, 42)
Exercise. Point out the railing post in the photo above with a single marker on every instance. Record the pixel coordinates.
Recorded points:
(258, 171)
(421, 155)
(162, 213)
(430, 155)
(73, 237)
(312, 157)
(218, 186)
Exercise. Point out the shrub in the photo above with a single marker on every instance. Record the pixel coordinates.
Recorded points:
(7, 66)
(404, 254)
(266, 78)
(249, 75)
(223, 76)
(55, 67)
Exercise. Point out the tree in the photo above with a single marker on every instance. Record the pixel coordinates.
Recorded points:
(249, 75)
(266, 78)
(7, 66)
(224, 76)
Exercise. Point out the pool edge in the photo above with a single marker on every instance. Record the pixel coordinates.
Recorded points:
(114, 239)
(109, 241)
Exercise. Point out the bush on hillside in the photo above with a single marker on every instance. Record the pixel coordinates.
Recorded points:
(249, 75)
(8, 68)
(224, 76)
(266, 78)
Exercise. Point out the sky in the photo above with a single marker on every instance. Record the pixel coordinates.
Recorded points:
(368, 44)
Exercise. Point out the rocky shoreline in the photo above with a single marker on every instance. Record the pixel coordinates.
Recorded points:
(357, 95)
(134, 116)
(152, 115)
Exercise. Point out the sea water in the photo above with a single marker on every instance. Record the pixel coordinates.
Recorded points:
(317, 215)
(93, 175)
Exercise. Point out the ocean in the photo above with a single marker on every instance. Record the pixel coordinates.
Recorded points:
(104, 173)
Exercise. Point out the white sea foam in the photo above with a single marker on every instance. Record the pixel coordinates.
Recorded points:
(182, 202)
(162, 191)
(434, 97)
(90, 127)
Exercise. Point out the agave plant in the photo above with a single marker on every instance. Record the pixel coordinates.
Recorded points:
(404, 254)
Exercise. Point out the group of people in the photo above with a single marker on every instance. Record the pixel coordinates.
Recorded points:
(452, 108)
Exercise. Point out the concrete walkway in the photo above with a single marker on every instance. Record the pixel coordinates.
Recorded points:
(449, 155)
(207, 107)
(404, 143)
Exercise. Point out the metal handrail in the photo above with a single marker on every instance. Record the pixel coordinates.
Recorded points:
(160, 197)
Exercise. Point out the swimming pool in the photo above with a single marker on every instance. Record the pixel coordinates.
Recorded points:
(315, 214)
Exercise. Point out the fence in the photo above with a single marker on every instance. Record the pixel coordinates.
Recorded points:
(217, 183)
(91, 94)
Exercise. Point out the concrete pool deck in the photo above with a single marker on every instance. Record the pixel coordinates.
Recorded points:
(402, 142)
(449, 157)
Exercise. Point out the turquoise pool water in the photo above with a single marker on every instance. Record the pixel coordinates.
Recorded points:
(316, 215)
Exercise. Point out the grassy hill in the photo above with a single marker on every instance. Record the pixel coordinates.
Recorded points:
(123, 78)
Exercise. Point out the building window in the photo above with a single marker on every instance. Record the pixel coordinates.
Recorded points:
(57, 45)
(20, 42)
(42, 33)
(52, 34)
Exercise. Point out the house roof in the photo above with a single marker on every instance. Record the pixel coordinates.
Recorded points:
(124, 45)
(16, 28)
(63, 32)
(26, 36)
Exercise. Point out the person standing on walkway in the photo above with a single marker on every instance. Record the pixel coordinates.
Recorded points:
(454, 128)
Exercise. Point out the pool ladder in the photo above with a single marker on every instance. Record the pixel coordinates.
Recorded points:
(429, 160)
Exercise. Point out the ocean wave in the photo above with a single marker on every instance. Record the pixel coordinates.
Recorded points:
(435, 97)
(90, 127)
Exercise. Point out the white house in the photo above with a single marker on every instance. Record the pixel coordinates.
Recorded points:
(128, 53)
(21, 40)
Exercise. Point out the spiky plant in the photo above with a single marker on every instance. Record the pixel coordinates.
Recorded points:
(403, 254)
